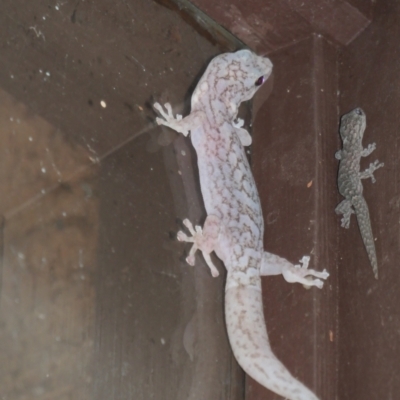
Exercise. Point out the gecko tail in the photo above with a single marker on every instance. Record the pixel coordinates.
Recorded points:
(364, 223)
(249, 341)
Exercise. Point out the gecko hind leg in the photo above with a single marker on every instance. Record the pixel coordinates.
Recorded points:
(345, 207)
(203, 240)
(272, 264)
(297, 273)
(369, 172)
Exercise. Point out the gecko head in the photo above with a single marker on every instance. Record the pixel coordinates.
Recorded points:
(352, 125)
(253, 71)
(235, 77)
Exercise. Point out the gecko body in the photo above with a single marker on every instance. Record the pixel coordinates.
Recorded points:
(234, 226)
(352, 127)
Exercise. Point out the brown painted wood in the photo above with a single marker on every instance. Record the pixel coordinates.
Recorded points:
(268, 25)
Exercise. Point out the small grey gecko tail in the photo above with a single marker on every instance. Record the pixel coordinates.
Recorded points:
(362, 214)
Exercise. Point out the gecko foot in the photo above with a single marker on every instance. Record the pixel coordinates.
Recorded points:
(369, 172)
(345, 221)
(239, 123)
(368, 150)
(202, 242)
(182, 237)
(168, 118)
(301, 274)
(345, 207)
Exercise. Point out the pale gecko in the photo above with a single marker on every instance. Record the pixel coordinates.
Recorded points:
(234, 226)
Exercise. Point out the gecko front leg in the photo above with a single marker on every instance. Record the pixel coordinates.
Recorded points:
(204, 240)
(244, 135)
(368, 150)
(179, 124)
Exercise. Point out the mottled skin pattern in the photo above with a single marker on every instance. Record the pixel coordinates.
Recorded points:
(352, 127)
(234, 226)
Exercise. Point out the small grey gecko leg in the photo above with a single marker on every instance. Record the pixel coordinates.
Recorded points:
(368, 150)
(185, 125)
(243, 134)
(345, 207)
(369, 172)
(203, 240)
(338, 155)
(272, 264)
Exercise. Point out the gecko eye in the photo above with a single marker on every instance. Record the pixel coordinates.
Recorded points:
(259, 81)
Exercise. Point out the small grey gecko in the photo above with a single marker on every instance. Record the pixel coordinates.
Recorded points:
(234, 227)
(352, 127)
